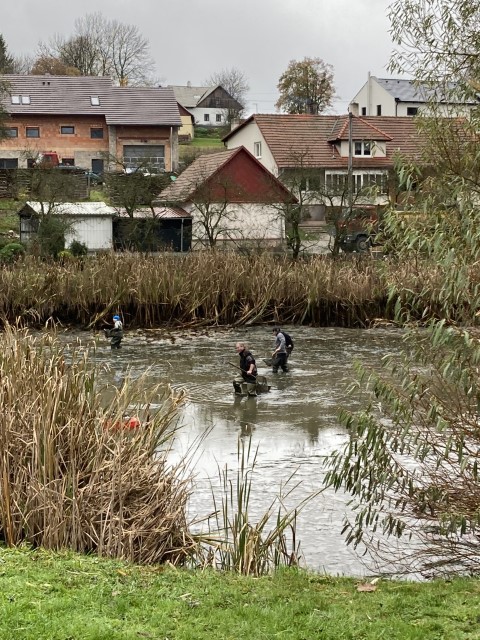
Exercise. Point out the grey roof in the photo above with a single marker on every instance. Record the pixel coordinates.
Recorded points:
(71, 208)
(147, 106)
(71, 95)
(166, 213)
(410, 91)
(189, 96)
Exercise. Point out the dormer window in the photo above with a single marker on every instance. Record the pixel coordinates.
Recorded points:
(363, 149)
(94, 101)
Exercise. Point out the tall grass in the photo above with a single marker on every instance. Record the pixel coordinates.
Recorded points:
(205, 288)
(70, 475)
(238, 543)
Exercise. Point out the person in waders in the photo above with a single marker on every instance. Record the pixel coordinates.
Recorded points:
(115, 333)
(248, 369)
(280, 355)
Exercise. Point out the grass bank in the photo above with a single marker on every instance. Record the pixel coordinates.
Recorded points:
(60, 596)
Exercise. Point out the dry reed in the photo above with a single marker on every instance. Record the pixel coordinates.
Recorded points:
(71, 475)
(204, 288)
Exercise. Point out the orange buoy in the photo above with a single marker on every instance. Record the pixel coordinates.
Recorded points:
(132, 423)
(128, 423)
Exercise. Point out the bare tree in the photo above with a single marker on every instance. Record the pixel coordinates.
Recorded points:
(106, 48)
(236, 84)
(23, 64)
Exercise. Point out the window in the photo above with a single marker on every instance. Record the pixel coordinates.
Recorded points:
(337, 182)
(310, 183)
(379, 109)
(15, 99)
(8, 163)
(67, 130)
(257, 149)
(32, 132)
(412, 111)
(96, 132)
(25, 99)
(364, 111)
(94, 101)
(218, 117)
(206, 117)
(362, 149)
(12, 132)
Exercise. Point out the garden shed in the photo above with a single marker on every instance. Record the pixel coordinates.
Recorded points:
(88, 222)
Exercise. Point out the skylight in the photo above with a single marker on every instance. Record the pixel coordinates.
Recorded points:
(94, 101)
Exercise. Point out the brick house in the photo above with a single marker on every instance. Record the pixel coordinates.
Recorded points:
(89, 123)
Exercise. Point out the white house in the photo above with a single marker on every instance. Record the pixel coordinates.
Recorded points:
(399, 97)
(210, 106)
(89, 222)
(234, 195)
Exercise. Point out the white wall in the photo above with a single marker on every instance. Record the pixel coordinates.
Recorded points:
(248, 221)
(246, 137)
(199, 113)
(93, 231)
(371, 95)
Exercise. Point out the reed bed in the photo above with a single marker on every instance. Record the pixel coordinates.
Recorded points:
(237, 542)
(195, 289)
(71, 475)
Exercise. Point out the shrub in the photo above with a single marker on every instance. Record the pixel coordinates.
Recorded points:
(11, 252)
(78, 249)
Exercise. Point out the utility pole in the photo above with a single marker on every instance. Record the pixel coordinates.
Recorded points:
(350, 164)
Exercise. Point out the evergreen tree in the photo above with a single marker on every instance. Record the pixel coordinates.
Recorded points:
(6, 60)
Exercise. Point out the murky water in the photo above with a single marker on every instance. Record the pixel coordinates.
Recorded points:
(294, 426)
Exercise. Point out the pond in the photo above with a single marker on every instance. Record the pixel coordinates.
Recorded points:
(294, 425)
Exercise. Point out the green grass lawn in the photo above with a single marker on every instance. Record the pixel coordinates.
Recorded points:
(213, 143)
(67, 596)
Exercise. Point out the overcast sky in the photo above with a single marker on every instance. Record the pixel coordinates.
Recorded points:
(191, 39)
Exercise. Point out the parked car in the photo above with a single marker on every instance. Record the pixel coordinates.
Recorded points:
(94, 178)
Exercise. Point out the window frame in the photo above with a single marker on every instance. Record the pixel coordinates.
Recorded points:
(365, 148)
(206, 117)
(257, 149)
(99, 130)
(361, 181)
(67, 126)
(30, 130)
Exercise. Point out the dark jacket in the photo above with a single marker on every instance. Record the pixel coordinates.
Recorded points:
(246, 360)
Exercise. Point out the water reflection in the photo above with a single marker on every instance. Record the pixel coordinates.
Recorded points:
(294, 426)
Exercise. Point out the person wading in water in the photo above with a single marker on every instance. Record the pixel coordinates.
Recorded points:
(247, 367)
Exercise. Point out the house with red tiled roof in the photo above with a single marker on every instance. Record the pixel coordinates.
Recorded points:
(319, 146)
(233, 199)
(89, 123)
